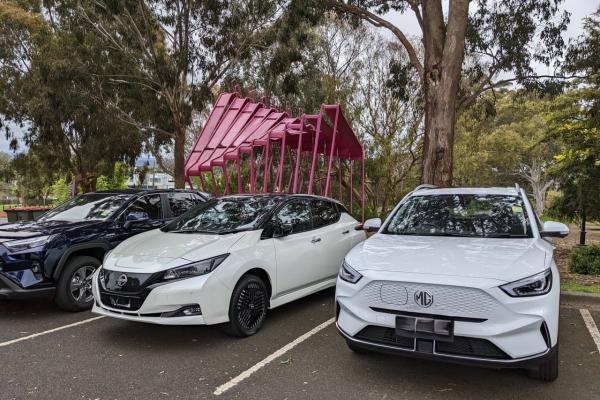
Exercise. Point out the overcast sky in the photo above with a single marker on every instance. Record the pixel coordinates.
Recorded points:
(579, 9)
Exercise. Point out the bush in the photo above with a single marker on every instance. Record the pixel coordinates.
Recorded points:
(586, 260)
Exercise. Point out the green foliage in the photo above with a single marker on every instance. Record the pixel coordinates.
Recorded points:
(60, 190)
(585, 260)
(118, 180)
(576, 124)
(103, 183)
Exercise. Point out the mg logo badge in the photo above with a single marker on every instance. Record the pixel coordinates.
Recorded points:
(121, 280)
(423, 298)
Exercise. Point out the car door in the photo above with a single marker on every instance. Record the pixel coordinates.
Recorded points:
(336, 237)
(296, 253)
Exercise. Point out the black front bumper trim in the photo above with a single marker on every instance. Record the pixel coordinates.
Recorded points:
(531, 362)
(11, 291)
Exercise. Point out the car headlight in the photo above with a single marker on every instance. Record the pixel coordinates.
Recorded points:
(349, 274)
(195, 269)
(29, 243)
(535, 285)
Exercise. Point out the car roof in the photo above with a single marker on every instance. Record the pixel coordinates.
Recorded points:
(142, 191)
(283, 195)
(502, 191)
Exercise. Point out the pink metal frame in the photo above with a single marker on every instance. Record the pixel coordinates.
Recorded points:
(239, 128)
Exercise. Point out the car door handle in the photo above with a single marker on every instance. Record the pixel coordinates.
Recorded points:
(346, 231)
(315, 240)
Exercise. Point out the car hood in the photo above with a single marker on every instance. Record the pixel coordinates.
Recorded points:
(28, 229)
(157, 250)
(490, 258)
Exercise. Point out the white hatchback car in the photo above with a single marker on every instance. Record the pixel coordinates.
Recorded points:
(228, 260)
(461, 275)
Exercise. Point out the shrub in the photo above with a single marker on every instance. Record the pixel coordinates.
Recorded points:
(586, 260)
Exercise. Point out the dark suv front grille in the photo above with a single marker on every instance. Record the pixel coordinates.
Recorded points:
(460, 346)
(124, 290)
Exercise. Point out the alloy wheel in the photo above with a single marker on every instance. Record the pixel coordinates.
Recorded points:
(251, 306)
(81, 284)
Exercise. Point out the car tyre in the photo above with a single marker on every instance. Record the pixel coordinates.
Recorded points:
(74, 286)
(248, 307)
(548, 370)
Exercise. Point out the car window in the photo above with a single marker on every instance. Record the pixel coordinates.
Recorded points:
(224, 215)
(149, 204)
(88, 206)
(298, 214)
(324, 213)
(470, 215)
(180, 203)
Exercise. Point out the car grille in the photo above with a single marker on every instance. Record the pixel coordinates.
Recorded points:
(124, 290)
(380, 334)
(460, 346)
(447, 300)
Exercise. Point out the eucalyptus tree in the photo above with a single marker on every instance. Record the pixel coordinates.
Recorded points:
(47, 66)
(495, 37)
(177, 53)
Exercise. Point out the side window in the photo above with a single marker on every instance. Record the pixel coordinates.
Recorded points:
(179, 203)
(298, 214)
(324, 213)
(150, 204)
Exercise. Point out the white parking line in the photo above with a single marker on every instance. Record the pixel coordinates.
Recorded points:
(246, 374)
(60, 328)
(591, 325)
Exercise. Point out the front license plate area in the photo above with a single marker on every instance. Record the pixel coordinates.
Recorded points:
(120, 302)
(425, 328)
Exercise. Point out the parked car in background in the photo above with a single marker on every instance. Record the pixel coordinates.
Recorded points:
(463, 275)
(227, 261)
(58, 253)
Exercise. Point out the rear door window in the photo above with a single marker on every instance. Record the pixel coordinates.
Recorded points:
(179, 203)
(324, 213)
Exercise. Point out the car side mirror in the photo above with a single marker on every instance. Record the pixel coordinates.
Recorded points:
(282, 230)
(372, 225)
(554, 229)
(135, 217)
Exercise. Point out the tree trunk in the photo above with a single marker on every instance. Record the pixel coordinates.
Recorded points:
(179, 169)
(444, 54)
(440, 118)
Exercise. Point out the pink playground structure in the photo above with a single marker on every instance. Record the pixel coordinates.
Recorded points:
(264, 150)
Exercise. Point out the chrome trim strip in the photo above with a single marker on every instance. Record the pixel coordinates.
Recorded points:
(443, 355)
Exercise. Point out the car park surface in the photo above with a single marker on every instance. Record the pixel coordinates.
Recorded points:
(113, 359)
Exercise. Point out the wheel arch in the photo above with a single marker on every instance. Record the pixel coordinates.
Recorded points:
(262, 274)
(96, 250)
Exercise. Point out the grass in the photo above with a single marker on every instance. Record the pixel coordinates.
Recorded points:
(578, 287)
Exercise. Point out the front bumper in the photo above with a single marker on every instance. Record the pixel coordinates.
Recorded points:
(206, 291)
(530, 362)
(9, 290)
(488, 326)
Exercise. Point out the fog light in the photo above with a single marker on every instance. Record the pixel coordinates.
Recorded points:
(185, 311)
(36, 267)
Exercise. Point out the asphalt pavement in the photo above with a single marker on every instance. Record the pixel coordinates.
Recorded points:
(113, 359)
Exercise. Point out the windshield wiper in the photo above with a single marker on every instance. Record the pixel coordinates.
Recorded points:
(504, 235)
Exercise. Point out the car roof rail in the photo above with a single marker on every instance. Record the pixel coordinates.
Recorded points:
(425, 186)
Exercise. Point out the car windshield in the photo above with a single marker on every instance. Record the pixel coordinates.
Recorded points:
(93, 206)
(225, 215)
(469, 215)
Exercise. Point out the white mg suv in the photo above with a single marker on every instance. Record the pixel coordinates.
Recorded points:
(463, 275)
